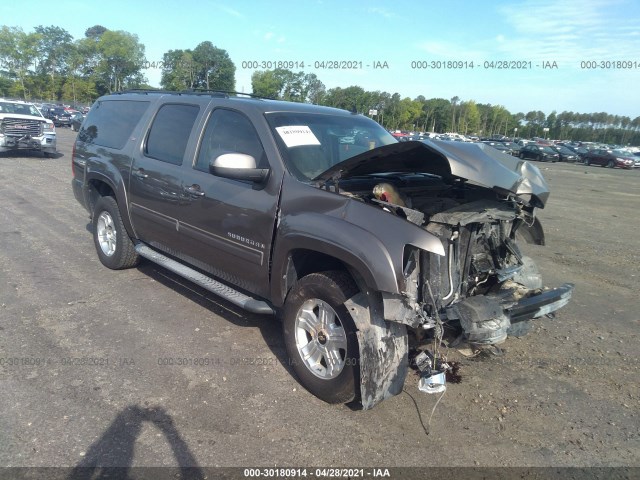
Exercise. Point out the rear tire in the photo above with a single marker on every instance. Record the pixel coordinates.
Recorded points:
(611, 164)
(587, 162)
(115, 248)
(320, 336)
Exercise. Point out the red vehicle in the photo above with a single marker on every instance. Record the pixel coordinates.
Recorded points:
(610, 158)
(400, 136)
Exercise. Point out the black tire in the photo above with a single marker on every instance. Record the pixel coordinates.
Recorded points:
(611, 164)
(115, 248)
(540, 159)
(312, 294)
(587, 162)
(521, 155)
(49, 154)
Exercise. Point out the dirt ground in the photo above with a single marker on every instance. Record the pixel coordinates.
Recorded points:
(141, 368)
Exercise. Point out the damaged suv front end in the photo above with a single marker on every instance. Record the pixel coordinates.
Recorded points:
(475, 284)
(479, 203)
(429, 230)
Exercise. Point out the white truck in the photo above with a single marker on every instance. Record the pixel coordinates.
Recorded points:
(23, 127)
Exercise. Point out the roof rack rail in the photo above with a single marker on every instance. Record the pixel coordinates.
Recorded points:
(194, 91)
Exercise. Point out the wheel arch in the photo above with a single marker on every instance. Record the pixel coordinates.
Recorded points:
(101, 186)
(301, 262)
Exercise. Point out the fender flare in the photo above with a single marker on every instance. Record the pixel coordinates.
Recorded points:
(119, 190)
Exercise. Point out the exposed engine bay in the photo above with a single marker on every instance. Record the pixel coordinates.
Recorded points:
(479, 203)
(483, 285)
(483, 274)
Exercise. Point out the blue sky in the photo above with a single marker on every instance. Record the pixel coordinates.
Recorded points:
(396, 32)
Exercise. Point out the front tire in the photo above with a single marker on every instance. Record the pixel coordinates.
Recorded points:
(115, 248)
(320, 336)
(611, 164)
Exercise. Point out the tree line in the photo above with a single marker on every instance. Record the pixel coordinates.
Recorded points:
(49, 64)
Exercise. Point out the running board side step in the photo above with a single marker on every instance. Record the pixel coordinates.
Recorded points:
(237, 298)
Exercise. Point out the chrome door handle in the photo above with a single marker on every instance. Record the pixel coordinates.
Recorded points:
(140, 173)
(194, 190)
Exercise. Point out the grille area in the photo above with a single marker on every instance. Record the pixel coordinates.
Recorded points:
(17, 127)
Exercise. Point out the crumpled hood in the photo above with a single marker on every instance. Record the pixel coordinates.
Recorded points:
(478, 163)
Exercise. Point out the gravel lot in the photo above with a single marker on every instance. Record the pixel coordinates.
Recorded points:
(141, 368)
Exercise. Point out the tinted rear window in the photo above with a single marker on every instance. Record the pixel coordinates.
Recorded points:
(170, 132)
(110, 123)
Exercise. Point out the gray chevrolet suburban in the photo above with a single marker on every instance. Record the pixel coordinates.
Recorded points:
(364, 247)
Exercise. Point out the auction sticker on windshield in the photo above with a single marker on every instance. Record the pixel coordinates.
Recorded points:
(297, 135)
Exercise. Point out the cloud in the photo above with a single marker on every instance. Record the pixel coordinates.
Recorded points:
(571, 30)
(382, 12)
(231, 11)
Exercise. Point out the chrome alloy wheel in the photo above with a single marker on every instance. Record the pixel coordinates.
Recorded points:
(320, 338)
(106, 234)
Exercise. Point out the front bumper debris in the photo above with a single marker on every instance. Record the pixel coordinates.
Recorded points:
(541, 304)
(486, 319)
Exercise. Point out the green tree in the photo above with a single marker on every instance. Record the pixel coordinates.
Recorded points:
(469, 118)
(214, 68)
(178, 70)
(18, 51)
(284, 84)
(267, 83)
(315, 90)
(454, 104)
(54, 48)
(95, 32)
(121, 57)
(409, 113)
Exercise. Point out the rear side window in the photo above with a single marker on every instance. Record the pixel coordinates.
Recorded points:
(170, 132)
(110, 123)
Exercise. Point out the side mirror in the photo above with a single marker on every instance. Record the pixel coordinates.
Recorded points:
(238, 166)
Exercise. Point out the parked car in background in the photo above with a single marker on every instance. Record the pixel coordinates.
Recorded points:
(610, 158)
(513, 146)
(23, 127)
(566, 155)
(542, 153)
(499, 146)
(76, 120)
(58, 115)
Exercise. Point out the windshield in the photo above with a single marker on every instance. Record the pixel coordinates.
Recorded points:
(623, 153)
(547, 149)
(19, 108)
(312, 143)
(564, 150)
